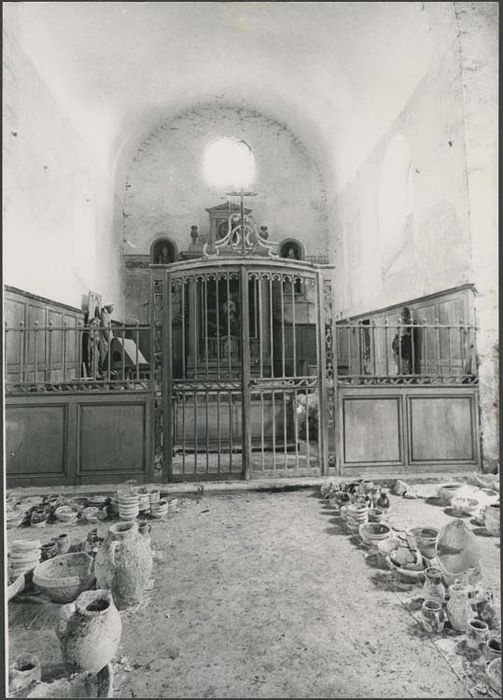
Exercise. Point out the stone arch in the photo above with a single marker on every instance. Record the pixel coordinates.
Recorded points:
(291, 244)
(157, 254)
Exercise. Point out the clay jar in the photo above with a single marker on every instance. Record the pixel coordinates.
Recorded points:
(123, 563)
(477, 634)
(64, 544)
(492, 519)
(433, 588)
(24, 671)
(433, 617)
(459, 610)
(492, 649)
(89, 631)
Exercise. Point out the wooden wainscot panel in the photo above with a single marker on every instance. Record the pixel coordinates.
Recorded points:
(442, 428)
(112, 438)
(371, 430)
(36, 440)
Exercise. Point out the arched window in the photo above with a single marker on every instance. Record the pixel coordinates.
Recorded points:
(229, 163)
(163, 252)
(290, 248)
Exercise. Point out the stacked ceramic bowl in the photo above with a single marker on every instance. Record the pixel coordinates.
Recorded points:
(425, 539)
(159, 510)
(154, 496)
(24, 556)
(129, 505)
(144, 500)
(356, 515)
(372, 533)
(446, 492)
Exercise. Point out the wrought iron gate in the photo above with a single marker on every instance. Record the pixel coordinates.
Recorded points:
(240, 366)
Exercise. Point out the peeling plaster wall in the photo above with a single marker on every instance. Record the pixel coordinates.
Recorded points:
(432, 251)
(166, 192)
(450, 234)
(57, 209)
(477, 23)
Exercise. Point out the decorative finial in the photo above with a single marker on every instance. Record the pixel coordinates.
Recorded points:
(194, 233)
(264, 233)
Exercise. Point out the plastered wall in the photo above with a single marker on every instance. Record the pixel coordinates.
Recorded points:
(165, 192)
(57, 209)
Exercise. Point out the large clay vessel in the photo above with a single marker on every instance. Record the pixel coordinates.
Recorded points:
(459, 610)
(492, 519)
(123, 563)
(89, 631)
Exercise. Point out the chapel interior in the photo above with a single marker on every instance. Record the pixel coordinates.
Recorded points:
(241, 310)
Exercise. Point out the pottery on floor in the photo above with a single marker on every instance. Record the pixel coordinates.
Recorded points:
(77, 685)
(123, 563)
(459, 610)
(24, 671)
(159, 509)
(372, 533)
(493, 675)
(66, 514)
(64, 577)
(446, 492)
(477, 635)
(457, 550)
(64, 544)
(492, 519)
(492, 648)
(432, 616)
(433, 588)
(89, 631)
(464, 506)
(49, 550)
(425, 539)
(24, 555)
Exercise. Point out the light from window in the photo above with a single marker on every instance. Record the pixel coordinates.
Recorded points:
(229, 164)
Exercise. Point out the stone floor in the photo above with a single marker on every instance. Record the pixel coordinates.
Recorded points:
(264, 595)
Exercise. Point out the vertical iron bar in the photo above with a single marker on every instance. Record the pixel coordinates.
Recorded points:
(109, 354)
(123, 353)
(137, 343)
(218, 428)
(282, 302)
(425, 346)
(168, 373)
(348, 329)
(64, 351)
(49, 352)
(22, 349)
(195, 297)
(439, 362)
(271, 323)
(184, 359)
(273, 396)
(295, 428)
(228, 326)
(322, 377)
(245, 372)
(400, 347)
(386, 348)
(206, 309)
(217, 316)
(449, 327)
(308, 447)
(461, 353)
(294, 331)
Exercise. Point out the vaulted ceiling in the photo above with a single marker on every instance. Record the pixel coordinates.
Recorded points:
(336, 73)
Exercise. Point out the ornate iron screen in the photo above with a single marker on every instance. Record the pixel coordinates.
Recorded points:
(240, 369)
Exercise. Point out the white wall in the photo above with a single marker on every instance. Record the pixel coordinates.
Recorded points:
(57, 209)
(166, 193)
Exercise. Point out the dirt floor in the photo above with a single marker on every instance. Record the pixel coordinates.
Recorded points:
(265, 595)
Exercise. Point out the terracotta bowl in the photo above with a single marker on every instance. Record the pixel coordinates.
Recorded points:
(372, 533)
(464, 506)
(66, 514)
(65, 577)
(91, 514)
(446, 492)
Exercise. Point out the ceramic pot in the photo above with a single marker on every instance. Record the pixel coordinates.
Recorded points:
(24, 555)
(89, 631)
(425, 539)
(39, 517)
(64, 577)
(123, 563)
(446, 492)
(63, 542)
(433, 588)
(492, 649)
(376, 515)
(144, 502)
(154, 496)
(66, 514)
(459, 610)
(484, 609)
(49, 550)
(383, 501)
(24, 671)
(433, 616)
(492, 519)
(160, 509)
(477, 635)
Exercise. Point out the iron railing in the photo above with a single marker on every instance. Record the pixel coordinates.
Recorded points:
(417, 352)
(77, 357)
